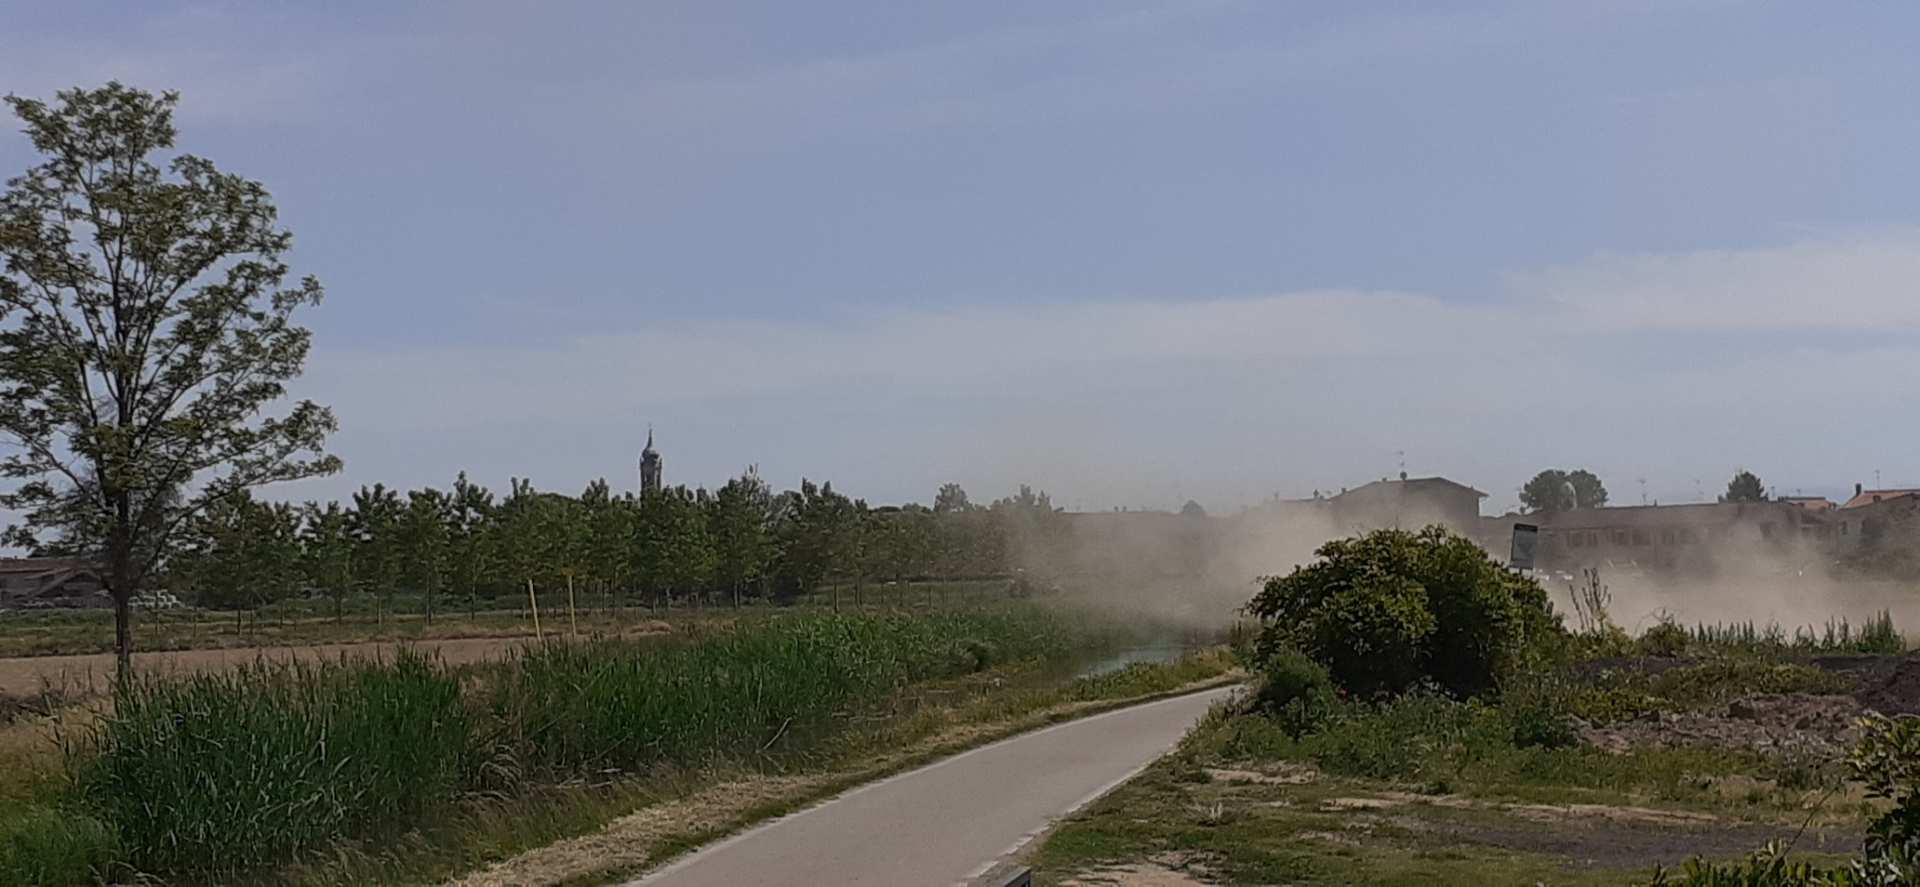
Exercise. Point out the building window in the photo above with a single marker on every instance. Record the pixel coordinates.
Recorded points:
(1688, 536)
(1766, 530)
(1575, 540)
(1620, 537)
(1666, 537)
(1843, 527)
(1641, 538)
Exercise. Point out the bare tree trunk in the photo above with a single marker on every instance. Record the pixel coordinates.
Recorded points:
(430, 600)
(120, 553)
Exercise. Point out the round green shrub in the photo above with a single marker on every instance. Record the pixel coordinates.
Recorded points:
(1388, 608)
(1665, 639)
(1295, 691)
(1539, 714)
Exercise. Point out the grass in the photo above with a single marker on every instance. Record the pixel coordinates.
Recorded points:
(272, 760)
(1425, 788)
(1876, 636)
(671, 810)
(279, 768)
(1416, 791)
(613, 704)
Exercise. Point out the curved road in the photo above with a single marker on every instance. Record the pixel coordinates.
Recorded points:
(947, 822)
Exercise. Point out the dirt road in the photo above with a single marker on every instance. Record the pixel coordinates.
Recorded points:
(26, 675)
(947, 822)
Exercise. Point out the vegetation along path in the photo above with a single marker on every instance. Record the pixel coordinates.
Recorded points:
(947, 822)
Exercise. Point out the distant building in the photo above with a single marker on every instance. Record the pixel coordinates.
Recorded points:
(650, 467)
(1810, 503)
(51, 582)
(1407, 504)
(1869, 497)
(1677, 537)
(1874, 527)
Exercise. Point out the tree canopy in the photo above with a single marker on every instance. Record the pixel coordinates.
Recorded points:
(146, 330)
(1745, 487)
(1556, 490)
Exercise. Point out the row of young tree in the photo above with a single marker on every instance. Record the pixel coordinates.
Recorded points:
(678, 545)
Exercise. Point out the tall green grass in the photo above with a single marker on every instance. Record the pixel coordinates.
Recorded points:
(227, 771)
(221, 774)
(53, 847)
(619, 705)
(1876, 635)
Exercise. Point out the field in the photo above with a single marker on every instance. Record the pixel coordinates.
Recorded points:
(68, 653)
(414, 767)
(1615, 762)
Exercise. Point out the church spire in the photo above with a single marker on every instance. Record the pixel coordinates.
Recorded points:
(650, 466)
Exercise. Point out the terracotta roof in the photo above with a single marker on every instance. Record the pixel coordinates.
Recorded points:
(1416, 481)
(1868, 497)
(18, 565)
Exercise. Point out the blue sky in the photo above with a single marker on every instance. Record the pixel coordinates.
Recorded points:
(1132, 252)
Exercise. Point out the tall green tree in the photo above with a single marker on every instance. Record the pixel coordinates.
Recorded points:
(146, 330)
(1745, 487)
(326, 551)
(424, 545)
(470, 555)
(951, 499)
(741, 525)
(377, 553)
(821, 536)
(1555, 490)
(674, 550)
(240, 554)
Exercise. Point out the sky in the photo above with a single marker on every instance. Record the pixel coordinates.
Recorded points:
(1129, 252)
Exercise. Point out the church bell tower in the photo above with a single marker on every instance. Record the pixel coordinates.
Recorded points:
(649, 467)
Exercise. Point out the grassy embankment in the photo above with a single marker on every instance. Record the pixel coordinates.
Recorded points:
(410, 770)
(1422, 788)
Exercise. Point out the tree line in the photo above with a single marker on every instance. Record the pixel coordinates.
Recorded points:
(679, 545)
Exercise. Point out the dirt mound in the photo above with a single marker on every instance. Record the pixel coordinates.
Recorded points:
(1799, 723)
(1892, 687)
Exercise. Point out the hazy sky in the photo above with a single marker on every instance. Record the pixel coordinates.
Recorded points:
(1131, 252)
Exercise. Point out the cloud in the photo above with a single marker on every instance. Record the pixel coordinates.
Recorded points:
(1636, 366)
(1839, 281)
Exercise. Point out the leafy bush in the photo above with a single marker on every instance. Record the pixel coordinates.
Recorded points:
(1666, 639)
(1387, 608)
(1887, 761)
(1296, 691)
(232, 770)
(1538, 712)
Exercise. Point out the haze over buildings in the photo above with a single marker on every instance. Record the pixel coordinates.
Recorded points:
(1132, 253)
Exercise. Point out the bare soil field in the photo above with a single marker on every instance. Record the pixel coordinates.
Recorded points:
(80, 675)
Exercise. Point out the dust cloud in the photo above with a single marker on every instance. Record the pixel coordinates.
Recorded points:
(1197, 571)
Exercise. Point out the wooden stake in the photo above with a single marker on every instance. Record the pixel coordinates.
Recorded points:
(533, 606)
(573, 626)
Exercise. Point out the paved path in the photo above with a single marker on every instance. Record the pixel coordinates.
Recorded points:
(947, 822)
